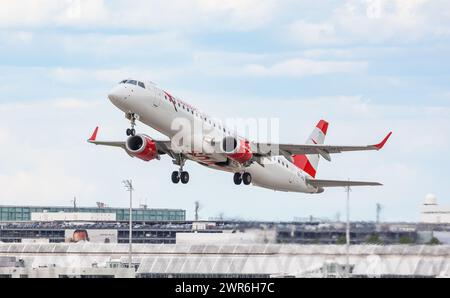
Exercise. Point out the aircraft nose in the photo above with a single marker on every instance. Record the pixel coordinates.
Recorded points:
(115, 95)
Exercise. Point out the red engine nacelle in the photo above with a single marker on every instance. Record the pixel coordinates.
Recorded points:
(142, 147)
(237, 150)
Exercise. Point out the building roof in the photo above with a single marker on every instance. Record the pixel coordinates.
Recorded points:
(270, 259)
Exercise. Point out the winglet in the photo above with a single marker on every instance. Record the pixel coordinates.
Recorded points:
(94, 135)
(381, 145)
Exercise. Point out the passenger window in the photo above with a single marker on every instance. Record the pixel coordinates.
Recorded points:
(141, 85)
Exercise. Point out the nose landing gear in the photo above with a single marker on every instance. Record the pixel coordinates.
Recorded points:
(131, 132)
(132, 117)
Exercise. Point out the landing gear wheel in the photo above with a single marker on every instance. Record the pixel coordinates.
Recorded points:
(237, 178)
(175, 177)
(131, 132)
(247, 178)
(184, 176)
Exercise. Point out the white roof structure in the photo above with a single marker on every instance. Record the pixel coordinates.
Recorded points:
(430, 199)
(431, 212)
(242, 259)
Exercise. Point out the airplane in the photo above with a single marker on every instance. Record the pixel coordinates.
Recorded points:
(279, 167)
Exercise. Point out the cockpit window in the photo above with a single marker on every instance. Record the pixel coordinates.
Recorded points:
(134, 82)
(141, 84)
(123, 82)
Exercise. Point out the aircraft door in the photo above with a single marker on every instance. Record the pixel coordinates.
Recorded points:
(157, 95)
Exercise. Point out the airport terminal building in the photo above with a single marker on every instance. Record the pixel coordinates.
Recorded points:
(38, 213)
(58, 224)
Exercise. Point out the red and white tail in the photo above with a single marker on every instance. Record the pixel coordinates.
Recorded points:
(309, 162)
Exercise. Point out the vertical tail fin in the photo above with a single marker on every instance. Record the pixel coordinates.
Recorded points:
(309, 163)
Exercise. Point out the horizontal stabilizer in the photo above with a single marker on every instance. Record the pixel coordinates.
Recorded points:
(340, 183)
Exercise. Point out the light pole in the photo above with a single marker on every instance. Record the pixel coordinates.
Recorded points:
(347, 231)
(129, 186)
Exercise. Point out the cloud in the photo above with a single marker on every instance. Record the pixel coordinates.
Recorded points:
(148, 15)
(374, 22)
(313, 33)
(140, 45)
(306, 67)
(241, 15)
(42, 13)
(28, 12)
(110, 75)
(73, 103)
(82, 12)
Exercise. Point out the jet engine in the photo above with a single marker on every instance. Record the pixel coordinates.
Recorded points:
(320, 190)
(142, 147)
(237, 150)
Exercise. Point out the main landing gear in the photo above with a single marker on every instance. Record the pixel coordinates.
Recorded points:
(133, 117)
(246, 178)
(180, 175)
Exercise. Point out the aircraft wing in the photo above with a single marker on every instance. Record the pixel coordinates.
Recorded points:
(323, 150)
(163, 146)
(340, 183)
(93, 140)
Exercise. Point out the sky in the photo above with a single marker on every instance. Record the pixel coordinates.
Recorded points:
(367, 67)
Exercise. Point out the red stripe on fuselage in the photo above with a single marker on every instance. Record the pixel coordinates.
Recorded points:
(170, 97)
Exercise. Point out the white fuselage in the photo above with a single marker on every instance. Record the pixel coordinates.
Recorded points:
(159, 110)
